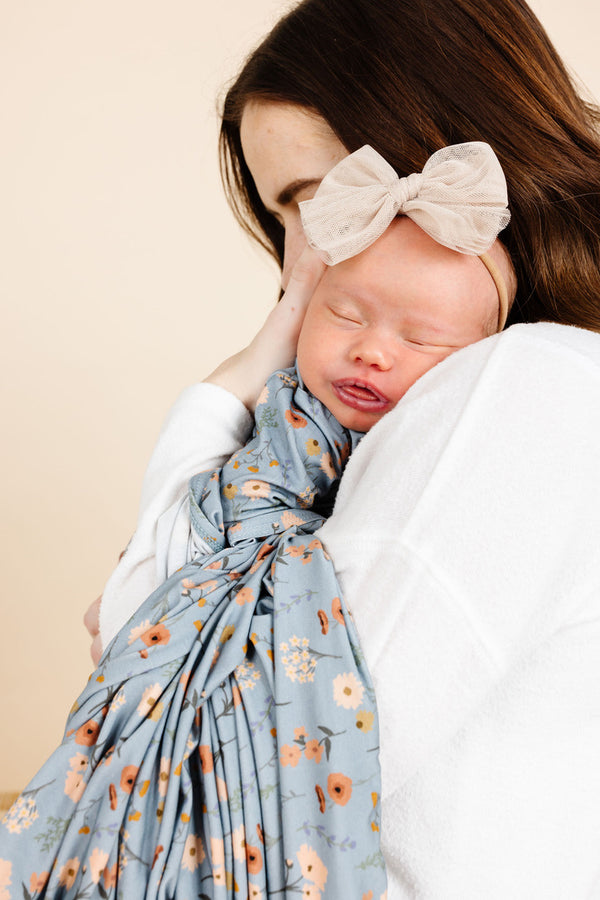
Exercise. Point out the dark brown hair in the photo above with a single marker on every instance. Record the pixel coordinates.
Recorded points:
(410, 76)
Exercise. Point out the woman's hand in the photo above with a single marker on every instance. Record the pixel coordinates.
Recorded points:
(274, 347)
(91, 620)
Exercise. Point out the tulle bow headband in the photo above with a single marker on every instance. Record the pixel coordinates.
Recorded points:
(460, 199)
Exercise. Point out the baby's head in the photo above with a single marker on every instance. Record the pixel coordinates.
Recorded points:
(381, 319)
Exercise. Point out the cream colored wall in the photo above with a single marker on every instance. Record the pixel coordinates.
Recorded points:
(122, 278)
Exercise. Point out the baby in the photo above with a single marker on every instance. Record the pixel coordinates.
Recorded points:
(379, 320)
(242, 671)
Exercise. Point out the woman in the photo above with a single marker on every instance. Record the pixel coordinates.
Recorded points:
(465, 529)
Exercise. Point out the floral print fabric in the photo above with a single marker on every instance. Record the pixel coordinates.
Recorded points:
(227, 744)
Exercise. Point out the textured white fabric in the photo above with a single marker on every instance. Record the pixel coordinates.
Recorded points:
(465, 536)
(460, 199)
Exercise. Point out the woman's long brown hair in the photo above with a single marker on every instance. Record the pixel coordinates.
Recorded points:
(411, 76)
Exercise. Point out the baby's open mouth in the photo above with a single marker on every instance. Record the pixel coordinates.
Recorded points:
(360, 395)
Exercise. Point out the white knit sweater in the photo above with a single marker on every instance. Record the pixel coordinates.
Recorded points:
(466, 537)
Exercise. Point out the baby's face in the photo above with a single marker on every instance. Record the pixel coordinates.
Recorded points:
(380, 320)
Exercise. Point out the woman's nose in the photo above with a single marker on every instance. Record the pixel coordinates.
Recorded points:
(295, 242)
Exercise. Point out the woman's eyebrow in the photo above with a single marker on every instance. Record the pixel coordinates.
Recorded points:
(289, 193)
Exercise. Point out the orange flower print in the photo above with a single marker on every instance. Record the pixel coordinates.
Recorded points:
(87, 734)
(300, 733)
(112, 796)
(294, 418)
(295, 550)
(336, 610)
(193, 853)
(313, 447)
(313, 868)
(321, 797)
(206, 758)
(256, 489)
(260, 833)
(128, 776)
(327, 465)
(339, 788)
(323, 621)
(158, 850)
(230, 490)
(289, 755)
(37, 883)
(68, 873)
(368, 896)
(364, 720)
(235, 693)
(347, 690)
(97, 864)
(244, 595)
(254, 859)
(313, 750)
(110, 876)
(156, 635)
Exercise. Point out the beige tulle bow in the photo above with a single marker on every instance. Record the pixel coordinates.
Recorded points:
(459, 199)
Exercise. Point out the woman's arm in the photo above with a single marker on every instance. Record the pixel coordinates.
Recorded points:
(207, 424)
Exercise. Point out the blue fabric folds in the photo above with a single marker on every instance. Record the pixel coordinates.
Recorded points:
(227, 744)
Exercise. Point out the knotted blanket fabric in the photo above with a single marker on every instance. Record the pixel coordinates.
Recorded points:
(227, 744)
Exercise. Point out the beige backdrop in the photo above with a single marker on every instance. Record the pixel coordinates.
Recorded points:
(123, 278)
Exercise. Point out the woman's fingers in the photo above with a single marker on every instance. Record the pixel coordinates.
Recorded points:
(274, 347)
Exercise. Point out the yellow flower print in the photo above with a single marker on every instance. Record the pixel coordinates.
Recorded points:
(227, 633)
(347, 690)
(364, 720)
(313, 448)
(230, 490)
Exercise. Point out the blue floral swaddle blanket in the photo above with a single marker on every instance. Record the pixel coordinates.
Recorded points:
(227, 744)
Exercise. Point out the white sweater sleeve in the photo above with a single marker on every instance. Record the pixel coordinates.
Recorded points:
(205, 426)
(465, 536)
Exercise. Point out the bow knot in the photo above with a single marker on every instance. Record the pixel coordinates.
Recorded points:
(460, 199)
(403, 190)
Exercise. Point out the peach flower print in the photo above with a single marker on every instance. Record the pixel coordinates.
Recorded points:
(313, 868)
(256, 489)
(289, 519)
(37, 883)
(290, 755)
(138, 631)
(347, 690)
(68, 873)
(244, 595)
(163, 775)
(149, 700)
(313, 750)
(327, 465)
(74, 785)
(5, 879)
(310, 892)
(110, 876)
(193, 853)
(254, 892)
(238, 840)
(97, 863)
